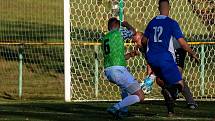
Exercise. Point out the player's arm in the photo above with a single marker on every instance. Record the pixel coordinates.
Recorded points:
(128, 26)
(127, 30)
(186, 47)
(127, 33)
(177, 33)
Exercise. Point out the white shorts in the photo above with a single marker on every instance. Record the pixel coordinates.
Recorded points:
(120, 76)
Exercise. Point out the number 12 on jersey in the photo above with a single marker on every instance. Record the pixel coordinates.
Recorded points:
(158, 30)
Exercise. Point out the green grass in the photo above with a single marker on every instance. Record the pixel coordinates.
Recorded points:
(38, 83)
(31, 21)
(49, 110)
(36, 11)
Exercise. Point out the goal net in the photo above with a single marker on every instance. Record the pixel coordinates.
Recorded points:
(88, 21)
(31, 56)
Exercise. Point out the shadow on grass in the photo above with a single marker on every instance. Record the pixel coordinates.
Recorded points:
(53, 111)
(96, 111)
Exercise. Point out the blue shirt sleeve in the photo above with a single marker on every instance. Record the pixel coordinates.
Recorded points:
(177, 33)
(126, 34)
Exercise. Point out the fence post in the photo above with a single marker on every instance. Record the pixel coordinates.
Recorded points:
(20, 70)
(96, 70)
(202, 71)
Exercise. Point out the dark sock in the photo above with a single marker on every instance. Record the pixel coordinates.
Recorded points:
(188, 95)
(169, 101)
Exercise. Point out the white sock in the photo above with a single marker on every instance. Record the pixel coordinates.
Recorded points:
(129, 100)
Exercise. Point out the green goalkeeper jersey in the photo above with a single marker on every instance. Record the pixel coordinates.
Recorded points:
(113, 49)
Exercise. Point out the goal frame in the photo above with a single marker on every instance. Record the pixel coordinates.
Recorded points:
(67, 47)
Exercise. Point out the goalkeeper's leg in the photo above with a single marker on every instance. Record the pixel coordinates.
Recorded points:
(124, 94)
(136, 96)
(121, 77)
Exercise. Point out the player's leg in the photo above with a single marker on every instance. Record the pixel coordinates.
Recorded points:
(137, 95)
(124, 111)
(167, 70)
(169, 96)
(130, 85)
(169, 101)
(126, 82)
(160, 82)
(188, 96)
(116, 109)
(173, 83)
(180, 58)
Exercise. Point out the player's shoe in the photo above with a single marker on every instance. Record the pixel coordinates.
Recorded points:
(114, 112)
(146, 85)
(192, 105)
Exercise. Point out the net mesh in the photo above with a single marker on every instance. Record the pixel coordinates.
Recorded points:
(89, 23)
(28, 26)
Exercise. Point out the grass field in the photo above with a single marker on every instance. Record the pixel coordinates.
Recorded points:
(53, 110)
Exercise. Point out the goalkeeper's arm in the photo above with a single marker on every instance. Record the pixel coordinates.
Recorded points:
(128, 26)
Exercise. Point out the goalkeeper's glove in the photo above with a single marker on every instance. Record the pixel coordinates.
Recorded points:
(147, 84)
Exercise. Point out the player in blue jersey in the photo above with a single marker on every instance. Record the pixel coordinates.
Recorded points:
(180, 54)
(160, 53)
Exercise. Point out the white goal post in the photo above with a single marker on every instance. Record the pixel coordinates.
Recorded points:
(67, 46)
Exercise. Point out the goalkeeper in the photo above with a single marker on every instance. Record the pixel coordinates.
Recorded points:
(115, 65)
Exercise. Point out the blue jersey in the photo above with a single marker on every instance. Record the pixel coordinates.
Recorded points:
(160, 32)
